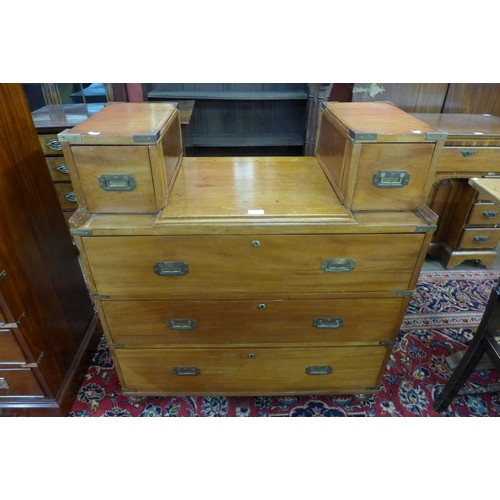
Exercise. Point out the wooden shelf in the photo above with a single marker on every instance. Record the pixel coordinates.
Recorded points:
(228, 95)
(223, 140)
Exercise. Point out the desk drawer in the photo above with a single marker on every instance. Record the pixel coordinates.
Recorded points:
(50, 144)
(469, 159)
(250, 371)
(160, 267)
(483, 214)
(66, 195)
(247, 321)
(58, 169)
(19, 382)
(484, 238)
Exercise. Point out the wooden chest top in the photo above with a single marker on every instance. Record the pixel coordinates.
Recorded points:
(123, 123)
(463, 126)
(262, 188)
(379, 122)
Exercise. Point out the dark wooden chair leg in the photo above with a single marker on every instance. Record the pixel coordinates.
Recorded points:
(488, 327)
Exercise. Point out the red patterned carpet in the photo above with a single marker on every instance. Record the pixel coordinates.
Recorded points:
(441, 319)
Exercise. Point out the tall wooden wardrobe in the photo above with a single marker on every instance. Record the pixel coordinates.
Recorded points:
(48, 325)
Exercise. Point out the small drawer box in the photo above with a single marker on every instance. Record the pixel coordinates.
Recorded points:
(376, 156)
(124, 159)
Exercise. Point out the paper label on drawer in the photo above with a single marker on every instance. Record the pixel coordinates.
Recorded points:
(255, 212)
(94, 133)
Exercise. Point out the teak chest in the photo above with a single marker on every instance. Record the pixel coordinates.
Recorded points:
(254, 279)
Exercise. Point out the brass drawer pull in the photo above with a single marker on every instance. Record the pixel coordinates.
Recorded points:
(391, 179)
(182, 324)
(62, 168)
(466, 153)
(319, 370)
(117, 182)
(4, 384)
(186, 371)
(337, 265)
(490, 214)
(328, 323)
(71, 196)
(55, 145)
(481, 238)
(171, 268)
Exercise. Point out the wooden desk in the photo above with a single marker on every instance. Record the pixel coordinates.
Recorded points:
(488, 187)
(486, 339)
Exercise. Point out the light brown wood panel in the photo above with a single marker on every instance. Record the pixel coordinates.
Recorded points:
(489, 188)
(252, 321)
(473, 98)
(21, 382)
(250, 371)
(412, 158)
(94, 161)
(410, 97)
(231, 187)
(122, 267)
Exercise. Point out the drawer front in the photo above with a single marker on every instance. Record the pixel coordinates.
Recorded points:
(58, 169)
(483, 214)
(483, 238)
(249, 371)
(469, 159)
(246, 321)
(158, 267)
(50, 144)
(391, 176)
(131, 192)
(10, 350)
(21, 382)
(66, 195)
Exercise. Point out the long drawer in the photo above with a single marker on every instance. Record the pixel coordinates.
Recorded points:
(10, 350)
(467, 159)
(249, 371)
(160, 267)
(245, 321)
(19, 382)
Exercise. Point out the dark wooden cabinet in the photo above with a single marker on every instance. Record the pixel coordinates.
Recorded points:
(237, 119)
(48, 325)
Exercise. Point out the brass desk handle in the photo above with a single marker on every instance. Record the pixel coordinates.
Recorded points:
(171, 268)
(71, 196)
(186, 371)
(466, 153)
(182, 324)
(328, 323)
(480, 239)
(490, 214)
(319, 370)
(54, 145)
(62, 168)
(338, 265)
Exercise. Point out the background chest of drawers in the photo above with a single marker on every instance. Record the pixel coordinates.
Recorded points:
(468, 223)
(49, 121)
(48, 325)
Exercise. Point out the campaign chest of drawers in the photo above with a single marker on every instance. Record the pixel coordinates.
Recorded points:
(468, 223)
(255, 279)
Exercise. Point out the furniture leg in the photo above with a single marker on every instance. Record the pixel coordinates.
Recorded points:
(490, 323)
